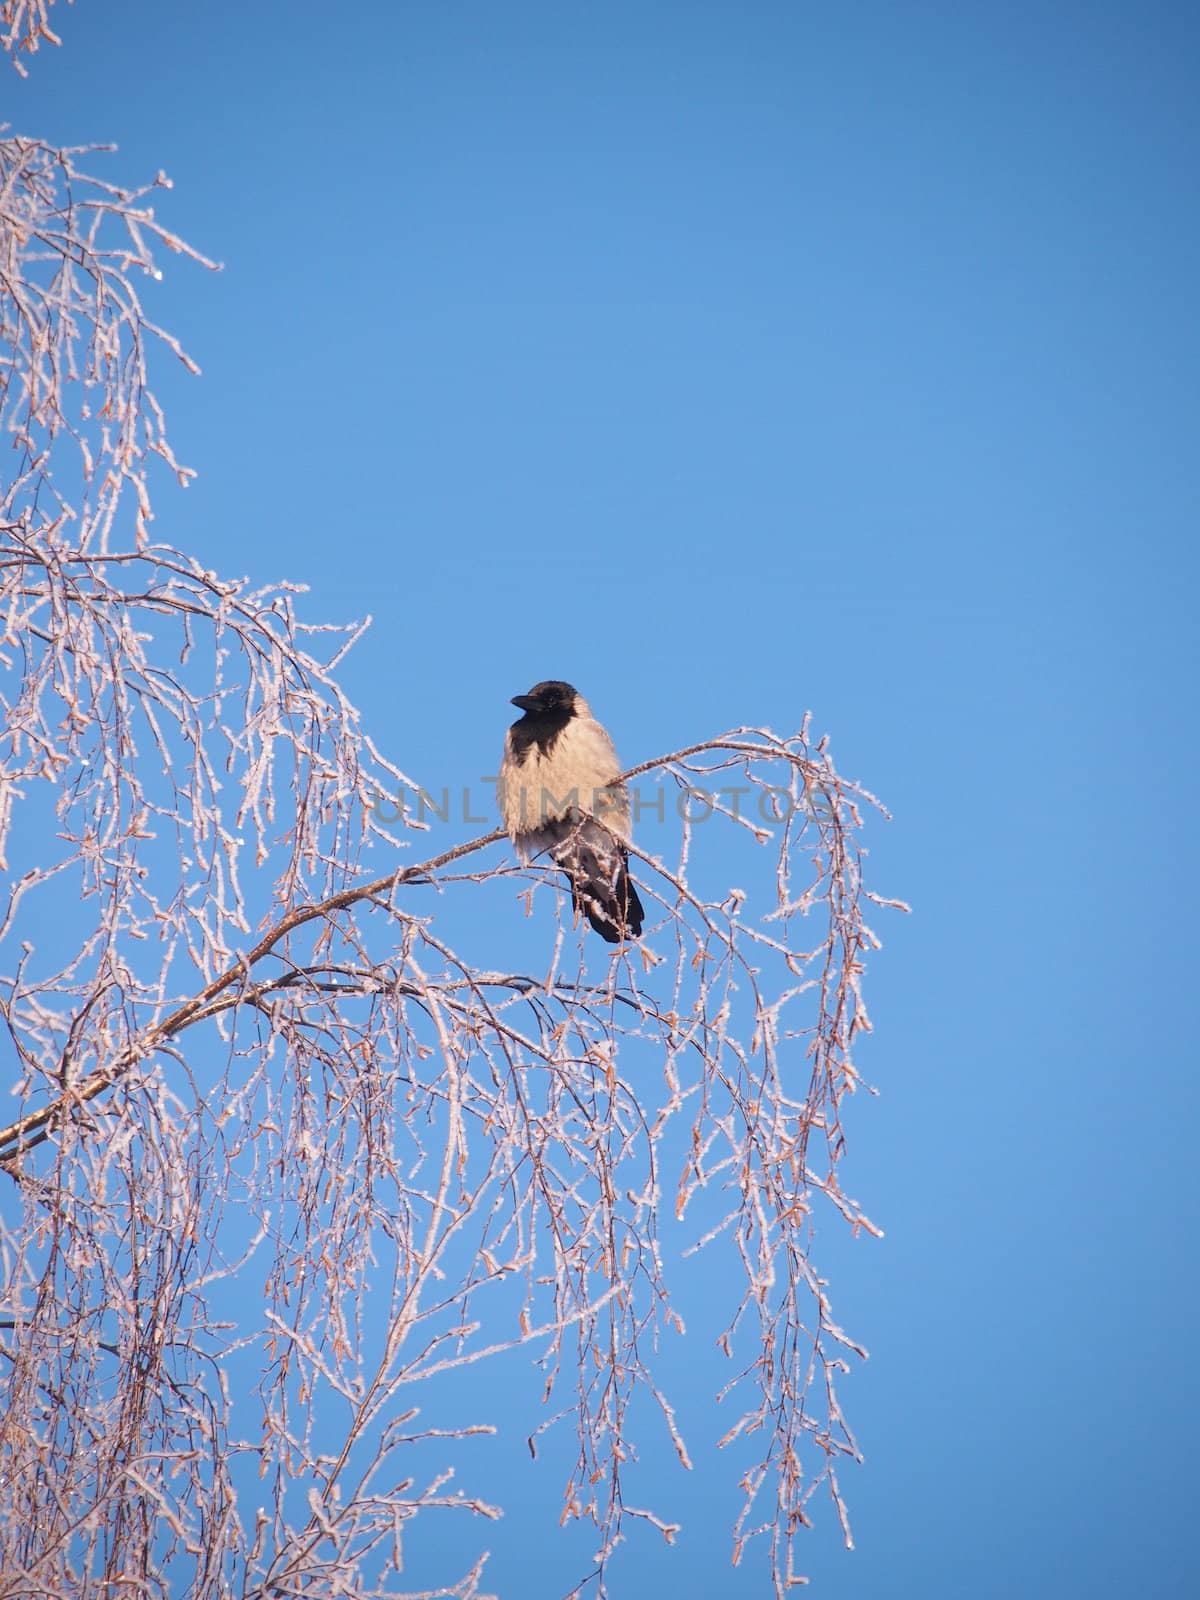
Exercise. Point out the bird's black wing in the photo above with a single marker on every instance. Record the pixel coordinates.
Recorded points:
(597, 863)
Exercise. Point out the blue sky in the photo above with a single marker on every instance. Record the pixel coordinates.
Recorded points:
(733, 361)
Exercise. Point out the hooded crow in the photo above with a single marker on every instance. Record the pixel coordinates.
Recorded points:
(558, 793)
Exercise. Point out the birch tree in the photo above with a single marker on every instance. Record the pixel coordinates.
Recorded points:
(282, 1156)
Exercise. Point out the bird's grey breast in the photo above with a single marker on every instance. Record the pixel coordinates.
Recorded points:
(571, 775)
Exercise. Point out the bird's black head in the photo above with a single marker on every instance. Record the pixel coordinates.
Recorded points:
(553, 700)
(548, 708)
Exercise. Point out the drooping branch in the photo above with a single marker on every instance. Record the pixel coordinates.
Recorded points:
(31, 1130)
(75, 341)
(24, 25)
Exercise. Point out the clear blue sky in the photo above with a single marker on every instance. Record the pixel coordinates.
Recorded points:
(840, 358)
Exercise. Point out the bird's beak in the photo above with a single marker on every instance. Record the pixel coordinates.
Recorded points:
(525, 702)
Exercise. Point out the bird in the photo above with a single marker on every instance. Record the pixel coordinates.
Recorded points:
(558, 793)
